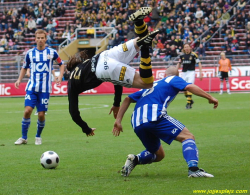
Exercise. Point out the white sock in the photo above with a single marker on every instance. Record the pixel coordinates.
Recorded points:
(228, 86)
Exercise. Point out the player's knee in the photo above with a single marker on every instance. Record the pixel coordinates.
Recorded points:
(159, 157)
(27, 112)
(160, 154)
(189, 135)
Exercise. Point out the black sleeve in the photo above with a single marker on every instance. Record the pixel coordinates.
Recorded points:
(118, 95)
(74, 111)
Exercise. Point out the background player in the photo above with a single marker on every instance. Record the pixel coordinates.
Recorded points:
(188, 60)
(111, 66)
(224, 67)
(40, 61)
(151, 123)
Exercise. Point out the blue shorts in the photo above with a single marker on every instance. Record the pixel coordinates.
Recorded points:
(165, 128)
(38, 99)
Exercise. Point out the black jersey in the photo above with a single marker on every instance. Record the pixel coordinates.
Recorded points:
(83, 78)
(188, 61)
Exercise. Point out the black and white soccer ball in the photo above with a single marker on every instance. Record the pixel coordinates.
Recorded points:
(49, 160)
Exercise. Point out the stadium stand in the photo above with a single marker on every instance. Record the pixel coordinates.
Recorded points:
(216, 25)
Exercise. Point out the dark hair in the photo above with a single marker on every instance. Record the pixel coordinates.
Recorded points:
(77, 59)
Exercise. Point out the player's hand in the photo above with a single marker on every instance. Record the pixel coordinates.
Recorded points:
(213, 101)
(58, 80)
(17, 83)
(115, 111)
(92, 132)
(28, 73)
(201, 77)
(117, 128)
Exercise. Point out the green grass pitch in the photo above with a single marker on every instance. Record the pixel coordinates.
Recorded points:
(91, 165)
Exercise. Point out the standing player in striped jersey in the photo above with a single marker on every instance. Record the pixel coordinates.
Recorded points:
(189, 59)
(151, 123)
(224, 67)
(40, 61)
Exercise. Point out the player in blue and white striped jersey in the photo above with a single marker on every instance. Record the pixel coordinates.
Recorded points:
(40, 61)
(151, 123)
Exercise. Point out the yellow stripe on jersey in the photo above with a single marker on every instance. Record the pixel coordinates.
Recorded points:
(195, 54)
(122, 73)
(124, 47)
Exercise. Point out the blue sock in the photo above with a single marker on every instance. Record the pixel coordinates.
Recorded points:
(40, 126)
(190, 152)
(145, 157)
(25, 127)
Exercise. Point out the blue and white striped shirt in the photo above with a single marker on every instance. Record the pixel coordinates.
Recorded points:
(40, 64)
(152, 103)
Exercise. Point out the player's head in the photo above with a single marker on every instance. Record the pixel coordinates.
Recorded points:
(76, 59)
(223, 55)
(40, 38)
(172, 71)
(187, 48)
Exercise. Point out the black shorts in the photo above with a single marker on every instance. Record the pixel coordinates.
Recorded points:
(224, 75)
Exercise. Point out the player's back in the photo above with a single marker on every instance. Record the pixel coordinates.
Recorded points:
(152, 103)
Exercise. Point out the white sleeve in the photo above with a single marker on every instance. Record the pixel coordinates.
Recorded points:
(197, 60)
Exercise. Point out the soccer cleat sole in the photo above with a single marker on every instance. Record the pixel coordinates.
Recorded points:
(147, 40)
(143, 11)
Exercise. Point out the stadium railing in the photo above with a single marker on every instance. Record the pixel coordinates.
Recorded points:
(99, 32)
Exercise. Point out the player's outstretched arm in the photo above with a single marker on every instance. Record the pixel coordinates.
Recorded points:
(21, 75)
(117, 99)
(117, 125)
(200, 92)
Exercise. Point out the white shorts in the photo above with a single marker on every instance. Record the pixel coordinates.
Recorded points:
(112, 64)
(188, 76)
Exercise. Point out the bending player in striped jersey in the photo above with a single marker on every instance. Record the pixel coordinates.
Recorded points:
(40, 61)
(112, 66)
(151, 123)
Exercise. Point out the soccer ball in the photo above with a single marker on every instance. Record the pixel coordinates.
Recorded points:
(49, 160)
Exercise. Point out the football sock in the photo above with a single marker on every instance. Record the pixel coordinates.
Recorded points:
(145, 68)
(193, 169)
(190, 152)
(228, 85)
(40, 126)
(189, 97)
(145, 157)
(25, 127)
(221, 86)
(141, 28)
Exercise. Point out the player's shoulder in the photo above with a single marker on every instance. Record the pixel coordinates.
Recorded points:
(51, 49)
(182, 54)
(194, 54)
(30, 50)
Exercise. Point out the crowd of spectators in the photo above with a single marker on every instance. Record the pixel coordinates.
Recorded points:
(179, 23)
(18, 23)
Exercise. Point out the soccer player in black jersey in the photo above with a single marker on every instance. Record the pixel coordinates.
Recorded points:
(112, 66)
(188, 60)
